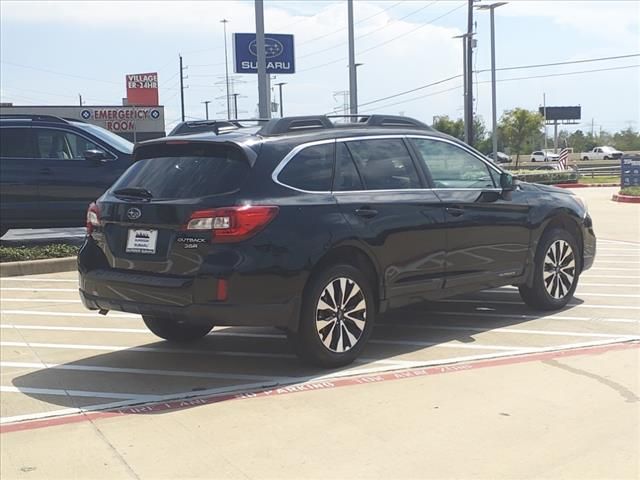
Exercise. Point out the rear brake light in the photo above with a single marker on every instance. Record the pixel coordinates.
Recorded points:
(232, 224)
(93, 218)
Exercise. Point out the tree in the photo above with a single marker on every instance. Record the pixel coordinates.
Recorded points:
(444, 124)
(520, 128)
(627, 140)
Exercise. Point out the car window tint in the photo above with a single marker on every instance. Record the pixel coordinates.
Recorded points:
(346, 177)
(15, 143)
(384, 164)
(310, 169)
(452, 167)
(60, 145)
(185, 171)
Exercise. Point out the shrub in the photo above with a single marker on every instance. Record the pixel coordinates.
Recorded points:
(547, 177)
(632, 191)
(16, 254)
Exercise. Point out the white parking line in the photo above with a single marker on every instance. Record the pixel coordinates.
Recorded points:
(519, 331)
(572, 305)
(577, 294)
(38, 300)
(38, 289)
(613, 269)
(69, 314)
(521, 316)
(74, 329)
(77, 393)
(27, 279)
(138, 371)
(587, 274)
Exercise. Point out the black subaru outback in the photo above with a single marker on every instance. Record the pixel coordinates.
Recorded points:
(316, 227)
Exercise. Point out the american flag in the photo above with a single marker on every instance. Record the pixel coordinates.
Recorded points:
(562, 161)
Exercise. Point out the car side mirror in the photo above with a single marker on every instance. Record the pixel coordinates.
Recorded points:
(506, 182)
(95, 155)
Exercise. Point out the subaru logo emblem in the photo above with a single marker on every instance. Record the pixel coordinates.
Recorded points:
(272, 48)
(134, 213)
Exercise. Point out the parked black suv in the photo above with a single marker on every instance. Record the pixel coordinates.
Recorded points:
(52, 168)
(317, 227)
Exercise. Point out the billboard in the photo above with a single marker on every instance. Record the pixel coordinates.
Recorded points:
(561, 113)
(142, 89)
(278, 48)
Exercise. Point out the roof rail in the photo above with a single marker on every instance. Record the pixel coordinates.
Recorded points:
(279, 126)
(33, 117)
(378, 120)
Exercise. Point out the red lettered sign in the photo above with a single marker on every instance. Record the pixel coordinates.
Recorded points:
(142, 89)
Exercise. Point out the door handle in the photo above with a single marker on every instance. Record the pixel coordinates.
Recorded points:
(366, 212)
(46, 171)
(454, 211)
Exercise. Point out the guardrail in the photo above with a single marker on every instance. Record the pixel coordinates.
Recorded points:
(593, 172)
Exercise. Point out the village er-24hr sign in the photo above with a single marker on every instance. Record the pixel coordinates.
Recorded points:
(278, 49)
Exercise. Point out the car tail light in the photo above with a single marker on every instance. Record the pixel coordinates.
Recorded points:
(232, 224)
(93, 218)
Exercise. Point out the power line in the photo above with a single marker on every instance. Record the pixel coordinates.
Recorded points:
(385, 42)
(60, 73)
(368, 33)
(570, 62)
(504, 80)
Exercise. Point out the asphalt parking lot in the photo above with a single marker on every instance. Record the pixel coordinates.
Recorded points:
(59, 362)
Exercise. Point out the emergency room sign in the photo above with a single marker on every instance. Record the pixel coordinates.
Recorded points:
(142, 89)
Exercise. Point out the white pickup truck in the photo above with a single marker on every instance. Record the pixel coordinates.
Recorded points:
(602, 153)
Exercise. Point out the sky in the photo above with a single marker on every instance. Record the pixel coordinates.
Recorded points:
(51, 51)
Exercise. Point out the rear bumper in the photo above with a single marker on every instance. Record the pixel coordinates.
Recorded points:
(280, 315)
(177, 298)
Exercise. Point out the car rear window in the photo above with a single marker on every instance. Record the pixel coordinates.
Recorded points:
(186, 171)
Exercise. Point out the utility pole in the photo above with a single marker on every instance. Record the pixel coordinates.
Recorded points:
(466, 78)
(235, 105)
(224, 22)
(353, 76)
(206, 108)
(544, 114)
(182, 78)
(263, 82)
(280, 90)
(469, 62)
(80, 97)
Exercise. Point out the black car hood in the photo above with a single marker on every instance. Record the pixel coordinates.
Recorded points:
(544, 188)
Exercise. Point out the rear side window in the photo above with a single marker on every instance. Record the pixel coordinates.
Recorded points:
(310, 169)
(186, 171)
(384, 164)
(15, 143)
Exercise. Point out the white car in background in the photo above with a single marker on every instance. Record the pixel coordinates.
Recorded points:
(602, 153)
(542, 156)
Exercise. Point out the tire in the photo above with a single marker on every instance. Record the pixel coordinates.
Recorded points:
(533, 159)
(176, 331)
(553, 283)
(317, 341)
(585, 159)
(605, 158)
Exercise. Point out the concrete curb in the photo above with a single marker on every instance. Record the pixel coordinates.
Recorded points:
(585, 185)
(616, 197)
(34, 267)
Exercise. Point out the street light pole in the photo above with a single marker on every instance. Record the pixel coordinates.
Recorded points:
(353, 76)
(224, 22)
(466, 80)
(235, 105)
(280, 91)
(206, 108)
(263, 81)
(494, 114)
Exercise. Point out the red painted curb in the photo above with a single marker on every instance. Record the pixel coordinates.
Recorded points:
(625, 198)
(330, 383)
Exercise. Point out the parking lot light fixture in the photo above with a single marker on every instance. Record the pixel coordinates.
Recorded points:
(491, 7)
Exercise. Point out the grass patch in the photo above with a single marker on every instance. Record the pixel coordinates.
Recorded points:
(631, 191)
(18, 254)
(604, 179)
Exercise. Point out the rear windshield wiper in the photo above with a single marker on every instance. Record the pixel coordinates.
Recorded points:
(133, 192)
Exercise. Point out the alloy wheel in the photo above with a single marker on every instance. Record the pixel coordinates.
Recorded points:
(559, 271)
(341, 314)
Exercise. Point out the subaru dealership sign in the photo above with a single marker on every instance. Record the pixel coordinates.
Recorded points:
(278, 52)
